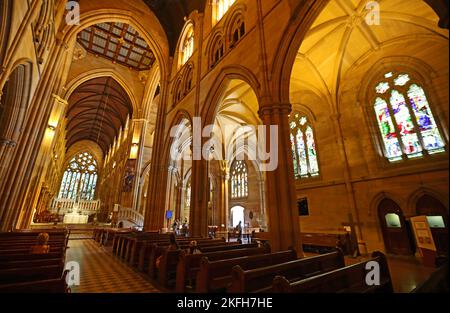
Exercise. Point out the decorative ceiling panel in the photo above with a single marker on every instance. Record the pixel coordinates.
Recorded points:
(119, 43)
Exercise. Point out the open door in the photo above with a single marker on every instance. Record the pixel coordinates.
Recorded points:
(397, 239)
(437, 215)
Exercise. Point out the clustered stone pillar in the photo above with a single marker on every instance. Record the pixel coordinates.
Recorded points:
(198, 221)
(222, 195)
(283, 221)
(16, 177)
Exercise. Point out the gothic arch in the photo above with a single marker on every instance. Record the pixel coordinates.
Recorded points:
(157, 40)
(211, 48)
(236, 11)
(376, 200)
(217, 90)
(423, 191)
(97, 73)
(303, 17)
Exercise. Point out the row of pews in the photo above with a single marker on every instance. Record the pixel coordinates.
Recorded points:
(24, 272)
(241, 268)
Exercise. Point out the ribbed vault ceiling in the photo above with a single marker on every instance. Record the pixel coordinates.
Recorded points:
(340, 38)
(98, 109)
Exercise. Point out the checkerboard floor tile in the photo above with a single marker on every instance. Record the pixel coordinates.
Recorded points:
(100, 272)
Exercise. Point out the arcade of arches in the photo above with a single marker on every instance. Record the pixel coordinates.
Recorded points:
(145, 114)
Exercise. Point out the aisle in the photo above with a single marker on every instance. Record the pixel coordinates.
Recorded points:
(100, 272)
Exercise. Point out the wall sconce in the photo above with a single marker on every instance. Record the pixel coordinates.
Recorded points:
(51, 127)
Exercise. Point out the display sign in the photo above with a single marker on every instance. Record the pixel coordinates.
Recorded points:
(422, 232)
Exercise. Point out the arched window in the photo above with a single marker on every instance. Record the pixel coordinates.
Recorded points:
(237, 30)
(217, 51)
(303, 147)
(187, 47)
(239, 180)
(222, 7)
(407, 125)
(80, 178)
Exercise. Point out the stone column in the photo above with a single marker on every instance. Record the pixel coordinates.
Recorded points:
(43, 161)
(138, 142)
(198, 223)
(222, 195)
(262, 204)
(17, 177)
(283, 221)
(179, 193)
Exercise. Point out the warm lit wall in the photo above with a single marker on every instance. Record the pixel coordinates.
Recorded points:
(351, 166)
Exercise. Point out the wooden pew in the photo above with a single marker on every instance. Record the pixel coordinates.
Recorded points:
(28, 274)
(11, 264)
(145, 252)
(229, 246)
(350, 279)
(215, 276)
(130, 251)
(189, 264)
(57, 285)
(261, 279)
(112, 235)
(171, 259)
(325, 242)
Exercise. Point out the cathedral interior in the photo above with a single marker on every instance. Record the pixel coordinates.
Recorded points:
(230, 146)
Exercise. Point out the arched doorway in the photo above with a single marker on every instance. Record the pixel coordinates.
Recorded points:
(437, 215)
(237, 215)
(396, 233)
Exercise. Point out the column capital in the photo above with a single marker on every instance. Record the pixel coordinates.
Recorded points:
(60, 100)
(7, 142)
(275, 108)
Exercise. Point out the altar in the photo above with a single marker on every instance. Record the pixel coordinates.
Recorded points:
(75, 218)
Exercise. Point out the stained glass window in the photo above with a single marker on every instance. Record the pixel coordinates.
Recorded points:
(405, 120)
(239, 180)
(303, 147)
(80, 178)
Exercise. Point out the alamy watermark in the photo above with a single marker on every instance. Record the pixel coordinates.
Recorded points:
(73, 13)
(73, 275)
(373, 274)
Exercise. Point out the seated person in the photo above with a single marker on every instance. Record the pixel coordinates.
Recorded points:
(41, 246)
(193, 248)
(172, 247)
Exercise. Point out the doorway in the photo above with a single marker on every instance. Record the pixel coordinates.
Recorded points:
(437, 215)
(237, 215)
(396, 235)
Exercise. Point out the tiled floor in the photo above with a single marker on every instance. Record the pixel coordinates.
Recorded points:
(407, 272)
(100, 272)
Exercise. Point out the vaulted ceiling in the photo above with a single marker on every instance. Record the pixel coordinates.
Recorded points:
(171, 14)
(98, 109)
(340, 38)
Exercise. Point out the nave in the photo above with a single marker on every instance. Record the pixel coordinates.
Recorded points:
(312, 136)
